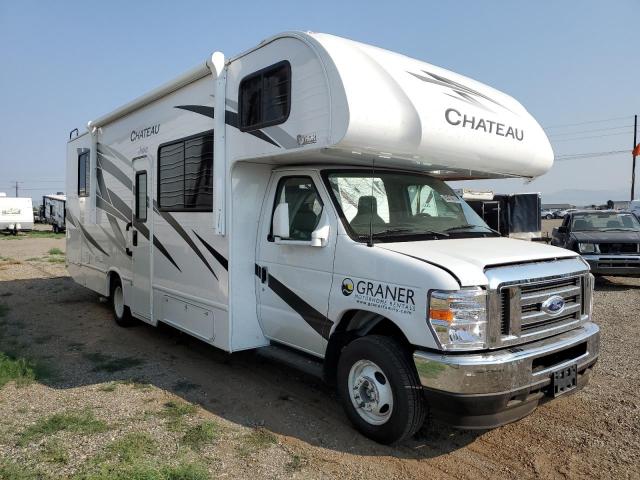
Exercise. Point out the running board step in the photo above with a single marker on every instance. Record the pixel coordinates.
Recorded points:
(296, 360)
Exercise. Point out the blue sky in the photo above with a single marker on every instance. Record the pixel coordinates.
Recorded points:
(64, 63)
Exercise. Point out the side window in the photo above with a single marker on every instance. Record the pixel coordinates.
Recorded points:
(185, 175)
(264, 97)
(141, 196)
(305, 206)
(84, 174)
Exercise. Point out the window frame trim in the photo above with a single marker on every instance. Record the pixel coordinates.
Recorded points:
(270, 236)
(260, 73)
(182, 140)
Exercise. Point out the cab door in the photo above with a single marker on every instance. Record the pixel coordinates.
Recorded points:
(140, 247)
(293, 277)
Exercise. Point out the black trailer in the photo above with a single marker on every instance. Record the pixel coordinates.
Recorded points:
(513, 215)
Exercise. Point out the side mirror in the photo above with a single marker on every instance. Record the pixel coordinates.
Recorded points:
(280, 226)
(563, 229)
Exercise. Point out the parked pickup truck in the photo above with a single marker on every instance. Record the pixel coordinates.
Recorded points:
(608, 240)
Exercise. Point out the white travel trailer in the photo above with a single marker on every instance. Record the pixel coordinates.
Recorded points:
(294, 195)
(54, 211)
(16, 214)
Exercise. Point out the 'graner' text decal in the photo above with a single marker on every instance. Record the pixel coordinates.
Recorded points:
(391, 298)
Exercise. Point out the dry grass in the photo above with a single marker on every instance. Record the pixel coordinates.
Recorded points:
(76, 422)
(254, 441)
(200, 435)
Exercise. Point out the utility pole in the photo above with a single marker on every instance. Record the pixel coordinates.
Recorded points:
(17, 183)
(634, 153)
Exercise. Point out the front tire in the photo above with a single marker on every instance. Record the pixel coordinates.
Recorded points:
(380, 389)
(121, 312)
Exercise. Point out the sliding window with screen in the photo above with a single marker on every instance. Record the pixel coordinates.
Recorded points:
(185, 174)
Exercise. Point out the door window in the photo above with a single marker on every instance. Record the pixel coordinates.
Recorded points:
(305, 206)
(141, 196)
(84, 173)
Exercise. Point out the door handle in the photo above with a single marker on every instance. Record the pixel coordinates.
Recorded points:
(134, 239)
(263, 274)
(127, 249)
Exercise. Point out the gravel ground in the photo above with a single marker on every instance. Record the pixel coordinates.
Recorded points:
(272, 422)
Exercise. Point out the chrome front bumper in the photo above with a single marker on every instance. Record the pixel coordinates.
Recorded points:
(484, 390)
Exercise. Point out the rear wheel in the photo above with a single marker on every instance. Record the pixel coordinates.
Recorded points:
(380, 389)
(121, 312)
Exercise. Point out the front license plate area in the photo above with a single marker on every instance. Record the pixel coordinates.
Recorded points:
(565, 380)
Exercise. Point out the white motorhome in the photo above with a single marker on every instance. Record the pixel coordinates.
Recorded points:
(16, 214)
(54, 211)
(294, 196)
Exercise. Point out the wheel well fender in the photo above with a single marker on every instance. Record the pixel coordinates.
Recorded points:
(112, 276)
(355, 324)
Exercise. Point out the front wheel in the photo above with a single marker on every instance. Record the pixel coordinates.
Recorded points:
(121, 312)
(380, 389)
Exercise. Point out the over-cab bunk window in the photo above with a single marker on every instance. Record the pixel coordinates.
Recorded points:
(84, 174)
(185, 174)
(265, 97)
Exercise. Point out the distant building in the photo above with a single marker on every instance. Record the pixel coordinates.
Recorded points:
(557, 206)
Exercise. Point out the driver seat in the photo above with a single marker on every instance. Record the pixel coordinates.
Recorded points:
(367, 209)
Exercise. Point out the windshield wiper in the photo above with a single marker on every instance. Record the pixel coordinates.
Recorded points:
(617, 229)
(390, 232)
(469, 227)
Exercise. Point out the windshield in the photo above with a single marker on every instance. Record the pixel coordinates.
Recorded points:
(401, 206)
(592, 221)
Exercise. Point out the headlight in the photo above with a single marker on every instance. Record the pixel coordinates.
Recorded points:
(459, 318)
(588, 248)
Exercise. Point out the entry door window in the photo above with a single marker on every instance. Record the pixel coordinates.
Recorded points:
(305, 206)
(141, 196)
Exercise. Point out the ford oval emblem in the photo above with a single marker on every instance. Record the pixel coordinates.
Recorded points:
(553, 305)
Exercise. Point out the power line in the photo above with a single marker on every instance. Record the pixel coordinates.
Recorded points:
(35, 189)
(578, 156)
(587, 122)
(592, 136)
(580, 132)
(43, 181)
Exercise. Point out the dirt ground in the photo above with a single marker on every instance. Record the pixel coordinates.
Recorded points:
(268, 421)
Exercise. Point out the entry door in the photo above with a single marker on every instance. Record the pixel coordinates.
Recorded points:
(293, 278)
(140, 245)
